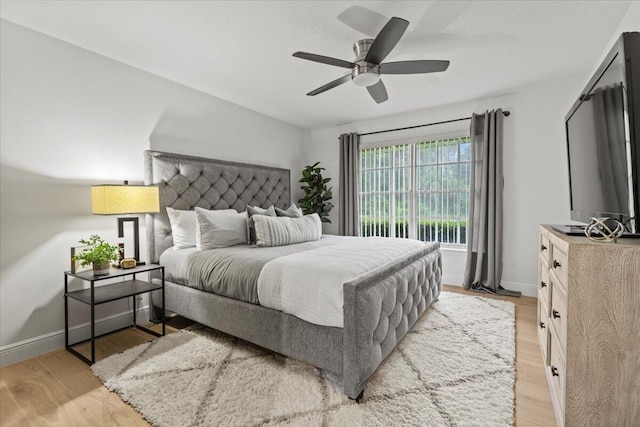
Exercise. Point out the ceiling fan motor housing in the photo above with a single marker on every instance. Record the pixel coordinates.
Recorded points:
(364, 73)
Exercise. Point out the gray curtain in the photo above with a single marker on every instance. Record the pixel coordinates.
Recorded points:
(484, 229)
(349, 170)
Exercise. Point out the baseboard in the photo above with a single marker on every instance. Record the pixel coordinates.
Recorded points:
(33, 347)
(528, 290)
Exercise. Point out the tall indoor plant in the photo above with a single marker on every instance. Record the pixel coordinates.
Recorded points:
(316, 194)
(98, 254)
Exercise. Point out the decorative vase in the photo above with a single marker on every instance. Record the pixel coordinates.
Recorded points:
(101, 268)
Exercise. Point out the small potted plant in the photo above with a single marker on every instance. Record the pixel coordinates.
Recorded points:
(99, 254)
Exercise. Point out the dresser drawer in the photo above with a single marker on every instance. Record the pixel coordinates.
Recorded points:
(558, 264)
(558, 312)
(556, 376)
(543, 329)
(544, 289)
(544, 247)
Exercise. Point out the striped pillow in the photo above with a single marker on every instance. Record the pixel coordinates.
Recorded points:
(280, 231)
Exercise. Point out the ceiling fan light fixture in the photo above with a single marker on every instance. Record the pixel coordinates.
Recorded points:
(366, 79)
(365, 74)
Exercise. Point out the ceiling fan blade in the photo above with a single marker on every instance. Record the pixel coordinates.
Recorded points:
(413, 67)
(324, 59)
(378, 92)
(363, 20)
(386, 40)
(330, 85)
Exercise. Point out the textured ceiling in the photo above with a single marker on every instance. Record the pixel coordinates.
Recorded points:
(240, 51)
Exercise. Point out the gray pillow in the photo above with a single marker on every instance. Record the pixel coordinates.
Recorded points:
(283, 230)
(292, 212)
(255, 210)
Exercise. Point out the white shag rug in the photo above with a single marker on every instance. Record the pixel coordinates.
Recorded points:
(455, 368)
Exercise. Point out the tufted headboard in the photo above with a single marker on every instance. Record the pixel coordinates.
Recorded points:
(186, 182)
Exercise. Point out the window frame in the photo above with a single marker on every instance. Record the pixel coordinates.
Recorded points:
(413, 142)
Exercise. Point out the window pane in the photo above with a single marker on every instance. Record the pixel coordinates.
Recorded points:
(465, 150)
(402, 179)
(375, 205)
(465, 176)
(426, 153)
(383, 180)
(449, 152)
(464, 204)
(449, 205)
(428, 205)
(402, 214)
(402, 155)
(364, 155)
(449, 177)
(402, 206)
(427, 178)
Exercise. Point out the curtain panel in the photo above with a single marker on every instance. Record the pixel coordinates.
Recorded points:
(485, 231)
(348, 220)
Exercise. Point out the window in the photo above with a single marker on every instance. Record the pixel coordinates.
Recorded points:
(418, 190)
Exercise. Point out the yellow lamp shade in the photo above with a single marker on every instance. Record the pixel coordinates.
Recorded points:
(124, 199)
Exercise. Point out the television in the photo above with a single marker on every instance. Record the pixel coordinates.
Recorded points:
(603, 141)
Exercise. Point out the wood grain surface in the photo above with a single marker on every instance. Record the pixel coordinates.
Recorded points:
(58, 389)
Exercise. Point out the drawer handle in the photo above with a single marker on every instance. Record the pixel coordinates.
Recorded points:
(542, 325)
(543, 285)
(556, 314)
(554, 371)
(556, 264)
(543, 247)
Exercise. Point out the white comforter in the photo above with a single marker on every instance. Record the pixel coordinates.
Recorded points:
(308, 284)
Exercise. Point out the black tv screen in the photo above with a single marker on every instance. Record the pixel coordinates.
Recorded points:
(602, 147)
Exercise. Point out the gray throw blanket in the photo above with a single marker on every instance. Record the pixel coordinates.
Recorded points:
(233, 272)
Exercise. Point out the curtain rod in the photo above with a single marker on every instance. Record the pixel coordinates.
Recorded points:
(506, 114)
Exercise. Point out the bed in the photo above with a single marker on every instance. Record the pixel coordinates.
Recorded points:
(379, 307)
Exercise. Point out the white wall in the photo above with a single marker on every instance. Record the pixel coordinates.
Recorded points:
(535, 167)
(70, 119)
(630, 22)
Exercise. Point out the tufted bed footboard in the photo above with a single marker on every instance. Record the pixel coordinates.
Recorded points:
(381, 307)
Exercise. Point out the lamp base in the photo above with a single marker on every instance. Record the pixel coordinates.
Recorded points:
(136, 236)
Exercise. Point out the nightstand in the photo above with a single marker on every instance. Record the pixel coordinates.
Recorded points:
(96, 295)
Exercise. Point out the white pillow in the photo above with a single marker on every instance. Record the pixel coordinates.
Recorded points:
(183, 228)
(220, 228)
(282, 230)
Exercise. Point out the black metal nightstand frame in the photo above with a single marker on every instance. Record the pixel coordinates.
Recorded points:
(96, 295)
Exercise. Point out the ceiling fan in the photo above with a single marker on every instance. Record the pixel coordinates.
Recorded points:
(367, 66)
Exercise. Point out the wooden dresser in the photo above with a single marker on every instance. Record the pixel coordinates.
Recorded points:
(589, 328)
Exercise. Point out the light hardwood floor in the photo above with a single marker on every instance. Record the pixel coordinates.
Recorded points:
(58, 389)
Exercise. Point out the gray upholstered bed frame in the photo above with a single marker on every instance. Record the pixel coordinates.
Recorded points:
(379, 308)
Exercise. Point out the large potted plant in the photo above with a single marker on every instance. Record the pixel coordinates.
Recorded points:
(316, 194)
(98, 254)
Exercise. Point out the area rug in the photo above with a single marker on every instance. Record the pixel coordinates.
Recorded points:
(456, 367)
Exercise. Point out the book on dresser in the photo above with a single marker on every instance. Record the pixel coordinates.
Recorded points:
(589, 328)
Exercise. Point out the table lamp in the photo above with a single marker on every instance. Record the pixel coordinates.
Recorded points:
(122, 200)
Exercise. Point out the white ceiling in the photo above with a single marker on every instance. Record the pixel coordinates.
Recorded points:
(240, 51)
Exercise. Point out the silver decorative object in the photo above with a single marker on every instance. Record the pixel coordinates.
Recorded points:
(598, 230)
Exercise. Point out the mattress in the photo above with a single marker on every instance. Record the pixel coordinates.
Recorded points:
(231, 272)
